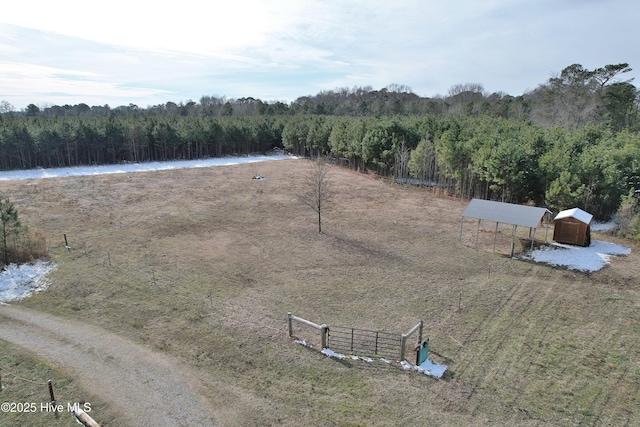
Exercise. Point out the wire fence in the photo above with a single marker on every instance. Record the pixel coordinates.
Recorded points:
(364, 342)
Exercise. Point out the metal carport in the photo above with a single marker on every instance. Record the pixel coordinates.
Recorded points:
(507, 213)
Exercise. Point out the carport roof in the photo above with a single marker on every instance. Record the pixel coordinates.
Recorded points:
(508, 213)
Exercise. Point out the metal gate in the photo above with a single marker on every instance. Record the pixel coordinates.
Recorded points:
(364, 342)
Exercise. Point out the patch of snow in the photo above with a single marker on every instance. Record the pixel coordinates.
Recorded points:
(588, 259)
(331, 353)
(134, 167)
(364, 359)
(21, 281)
(427, 367)
(603, 226)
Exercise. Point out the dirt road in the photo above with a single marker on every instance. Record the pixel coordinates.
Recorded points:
(147, 388)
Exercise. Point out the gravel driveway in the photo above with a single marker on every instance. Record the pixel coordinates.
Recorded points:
(145, 387)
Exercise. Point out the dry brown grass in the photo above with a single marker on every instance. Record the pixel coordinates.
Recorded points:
(205, 263)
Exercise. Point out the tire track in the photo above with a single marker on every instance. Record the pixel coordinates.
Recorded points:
(145, 387)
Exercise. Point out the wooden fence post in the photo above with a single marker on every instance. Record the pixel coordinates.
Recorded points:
(84, 418)
(322, 328)
(403, 341)
(53, 399)
(323, 335)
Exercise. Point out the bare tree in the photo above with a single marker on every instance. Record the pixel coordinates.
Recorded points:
(316, 191)
(467, 92)
(6, 107)
(402, 157)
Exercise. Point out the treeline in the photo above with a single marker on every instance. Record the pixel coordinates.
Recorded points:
(41, 141)
(572, 142)
(574, 98)
(492, 158)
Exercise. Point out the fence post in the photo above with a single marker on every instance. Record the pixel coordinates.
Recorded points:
(323, 335)
(403, 341)
(53, 399)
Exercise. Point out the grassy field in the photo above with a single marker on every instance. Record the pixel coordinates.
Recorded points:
(204, 264)
(24, 380)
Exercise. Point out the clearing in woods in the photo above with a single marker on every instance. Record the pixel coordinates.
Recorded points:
(204, 264)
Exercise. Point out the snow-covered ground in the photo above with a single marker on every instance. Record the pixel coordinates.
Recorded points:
(603, 226)
(427, 367)
(591, 258)
(134, 167)
(21, 281)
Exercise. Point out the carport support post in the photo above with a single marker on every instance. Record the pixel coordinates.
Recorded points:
(478, 233)
(532, 237)
(495, 236)
(290, 324)
(513, 239)
(546, 229)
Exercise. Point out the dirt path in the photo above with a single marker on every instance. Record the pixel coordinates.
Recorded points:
(147, 388)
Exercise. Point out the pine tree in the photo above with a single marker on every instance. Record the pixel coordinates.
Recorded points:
(11, 226)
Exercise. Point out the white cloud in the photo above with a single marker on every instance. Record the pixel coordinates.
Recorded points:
(186, 26)
(27, 83)
(290, 48)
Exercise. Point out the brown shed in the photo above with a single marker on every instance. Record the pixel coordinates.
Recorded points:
(572, 226)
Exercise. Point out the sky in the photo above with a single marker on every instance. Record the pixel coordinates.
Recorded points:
(149, 53)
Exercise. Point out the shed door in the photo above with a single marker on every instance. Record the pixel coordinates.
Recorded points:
(569, 232)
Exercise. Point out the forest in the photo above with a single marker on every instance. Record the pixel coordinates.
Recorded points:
(574, 141)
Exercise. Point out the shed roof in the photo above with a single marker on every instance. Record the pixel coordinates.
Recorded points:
(508, 213)
(576, 213)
